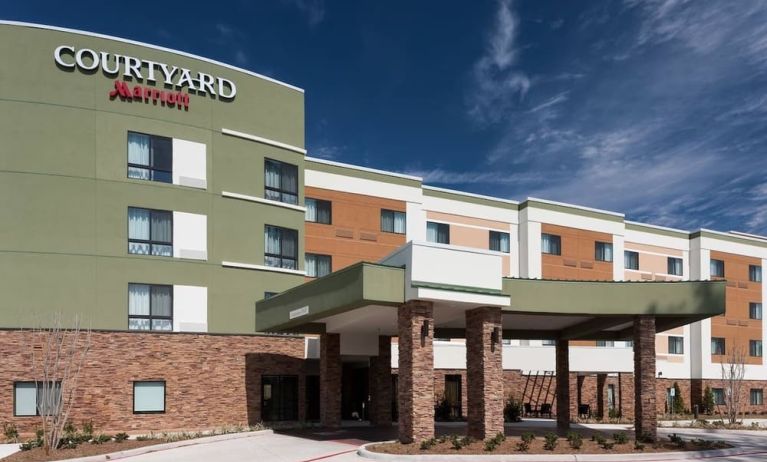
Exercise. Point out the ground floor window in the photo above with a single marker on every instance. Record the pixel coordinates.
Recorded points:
(35, 398)
(718, 395)
(757, 397)
(610, 396)
(279, 397)
(605, 343)
(149, 397)
(312, 398)
(453, 396)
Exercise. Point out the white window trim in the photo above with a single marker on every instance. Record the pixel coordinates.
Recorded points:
(261, 200)
(232, 264)
(258, 139)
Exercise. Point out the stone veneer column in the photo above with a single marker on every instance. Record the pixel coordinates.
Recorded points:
(330, 380)
(484, 372)
(563, 385)
(416, 371)
(601, 382)
(380, 384)
(645, 412)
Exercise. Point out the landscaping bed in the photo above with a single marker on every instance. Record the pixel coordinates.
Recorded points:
(574, 443)
(83, 450)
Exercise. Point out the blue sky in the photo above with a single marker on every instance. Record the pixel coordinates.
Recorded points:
(657, 109)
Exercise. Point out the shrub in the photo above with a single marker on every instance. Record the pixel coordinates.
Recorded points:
(677, 440)
(500, 437)
(599, 439)
(575, 439)
(120, 437)
(550, 441)
(144, 437)
(512, 411)
(638, 446)
(620, 438)
(456, 441)
(528, 437)
(614, 413)
(647, 438)
(11, 433)
(709, 403)
(608, 445)
(88, 428)
(101, 439)
(523, 446)
(678, 407)
(442, 409)
(491, 444)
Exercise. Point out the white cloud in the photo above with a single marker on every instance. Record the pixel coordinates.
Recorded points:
(312, 10)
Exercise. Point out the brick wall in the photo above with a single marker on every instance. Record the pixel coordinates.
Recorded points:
(211, 380)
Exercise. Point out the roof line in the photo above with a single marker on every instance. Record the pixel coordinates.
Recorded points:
(581, 207)
(148, 45)
(664, 228)
(753, 236)
(469, 194)
(363, 169)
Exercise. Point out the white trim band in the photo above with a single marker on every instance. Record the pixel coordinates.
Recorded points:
(468, 194)
(261, 200)
(258, 139)
(362, 169)
(573, 206)
(232, 264)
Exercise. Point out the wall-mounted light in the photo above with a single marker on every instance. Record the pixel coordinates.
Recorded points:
(495, 338)
(424, 332)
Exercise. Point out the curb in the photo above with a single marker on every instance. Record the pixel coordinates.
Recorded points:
(362, 451)
(165, 446)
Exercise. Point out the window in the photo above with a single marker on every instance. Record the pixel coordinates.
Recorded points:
(755, 348)
(268, 295)
(605, 343)
(392, 222)
(717, 268)
(630, 260)
(675, 266)
(754, 273)
(549, 342)
(318, 211)
(280, 181)
(438, 232)
(34, 398)
(757, 397)
(717, 346)
(281, 247)
(318, 265)
(499, 241)
(150, 307)
(718, 396)
(755, 310)
(675, 345)
(150, 157)
(551, 244)
(603, 251)
(149, 397)
(150, 232)
(279, 397)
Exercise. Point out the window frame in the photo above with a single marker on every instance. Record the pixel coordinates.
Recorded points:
(500, 241)
(676, 340)
(280, 378)
(712, 265)
(752, 272)
(723, 342)
(150, 241)
(558, 240)
(439, 226)
(719, 392)
(670, 266)
(306, 265)
(626, 259)
(37, 402)
(751, 395)
(605, 343)
(164, 396)
(317, 202)
(393, 221)
(280, 256)
(752, 344)
(281, 191)
(752, 308)
(603, 246)
(149, 166)
(151, 316)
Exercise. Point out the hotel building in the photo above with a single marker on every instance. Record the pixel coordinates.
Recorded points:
(168, 201)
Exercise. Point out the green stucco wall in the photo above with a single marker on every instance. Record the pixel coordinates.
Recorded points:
(64, 190)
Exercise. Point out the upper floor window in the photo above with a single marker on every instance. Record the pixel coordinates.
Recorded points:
(717, 268)
(318, 265)
(150, 307)
(549, 342)
(754, 273)
(268, 295)
(717, 346)
(499, 241)
(281, 247)
(551, 244)
(675, 266)
(755, 310)
(150, 232)
(280, 181)
(630, 260)
(755, 348)
(438, 232)
(150, 157)
(603, 251)
(605, 343)
(318, 211)
(392, 222)
(675, 345)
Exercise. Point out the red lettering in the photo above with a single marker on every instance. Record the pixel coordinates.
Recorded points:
(170, 99)
(121, 89)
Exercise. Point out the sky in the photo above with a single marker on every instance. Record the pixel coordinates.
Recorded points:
(656, 109)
